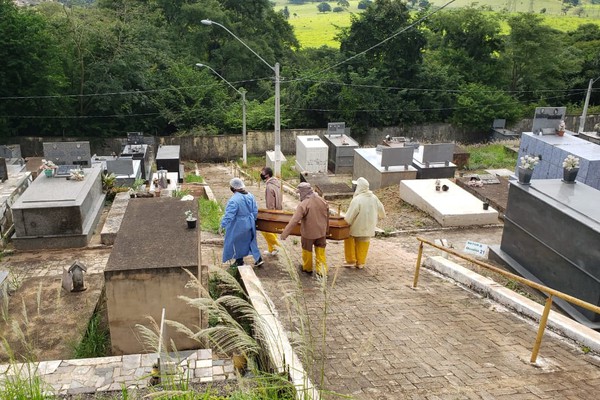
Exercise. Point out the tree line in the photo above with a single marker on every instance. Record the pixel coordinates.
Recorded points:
(116, 66)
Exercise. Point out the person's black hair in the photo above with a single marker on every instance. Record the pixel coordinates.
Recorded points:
(268, 171)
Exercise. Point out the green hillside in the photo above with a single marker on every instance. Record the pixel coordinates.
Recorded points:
(315, 29)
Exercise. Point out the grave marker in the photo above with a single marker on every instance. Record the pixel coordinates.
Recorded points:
(68, 153)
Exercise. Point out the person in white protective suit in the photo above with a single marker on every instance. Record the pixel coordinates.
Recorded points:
(362, 216)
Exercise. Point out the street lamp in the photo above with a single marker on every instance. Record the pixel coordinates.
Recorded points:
(242, 92)
(585, 106)
(277, 102)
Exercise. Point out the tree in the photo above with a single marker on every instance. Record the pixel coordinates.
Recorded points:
(29, 69)
(387, 63)
(363, 4)
(469, 41)
(343, 3)
(533, 69)
(478, 105)
(324, 7)
(285, 12)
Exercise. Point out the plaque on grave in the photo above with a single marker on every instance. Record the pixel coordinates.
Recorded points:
(393, 156)
(3, 170)
(547, 119)
(135, 138)
(68, 153)
(120, 166)
(63, 171)
(336, 128)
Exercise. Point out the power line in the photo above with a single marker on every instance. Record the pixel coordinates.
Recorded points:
(384, 40)
(123, 93)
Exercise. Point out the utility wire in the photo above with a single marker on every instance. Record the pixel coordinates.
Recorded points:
(436, 90)
(58, 96)
(384, 40)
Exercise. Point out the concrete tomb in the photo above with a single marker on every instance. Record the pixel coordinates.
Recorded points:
(142, 153)
(340, 154)
(434, 161)
(148, 269)
(270, 159)
(551, 235)
(168, 158)
(311, 154)
(384, 166)
(10, 151)
(68, 153)
(553, 149)
(450, 207)
(57, 212)
(499, 131)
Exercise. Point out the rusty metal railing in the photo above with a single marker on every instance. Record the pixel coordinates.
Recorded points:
(542, 288)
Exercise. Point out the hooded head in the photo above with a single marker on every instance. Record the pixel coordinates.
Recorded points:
(305, 190)
(237, 184)
(362, 186)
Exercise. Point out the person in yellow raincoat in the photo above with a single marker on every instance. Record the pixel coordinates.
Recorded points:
(362, 215)
(313, 215)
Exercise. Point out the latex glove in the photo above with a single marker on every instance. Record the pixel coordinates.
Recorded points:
(220, 231)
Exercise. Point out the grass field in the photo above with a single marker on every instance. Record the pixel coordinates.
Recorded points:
(315, 29)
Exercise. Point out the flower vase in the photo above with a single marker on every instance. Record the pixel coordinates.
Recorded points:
(191, 223)
(524, 175)
(560, 133)
(49, 173)
(569, 175)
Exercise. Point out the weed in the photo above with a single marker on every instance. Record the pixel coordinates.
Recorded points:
(23, 382)
(179, 193)
(95, 342)
(512, 285)
(191, 178)
(490, 156)
(210, 215)
(585, 349)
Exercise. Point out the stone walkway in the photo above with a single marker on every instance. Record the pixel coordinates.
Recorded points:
(385, 340)
(110, 374)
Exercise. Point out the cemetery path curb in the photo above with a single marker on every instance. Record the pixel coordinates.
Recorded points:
(524, 306)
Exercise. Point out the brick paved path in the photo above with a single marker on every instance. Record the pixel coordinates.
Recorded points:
(387, 341)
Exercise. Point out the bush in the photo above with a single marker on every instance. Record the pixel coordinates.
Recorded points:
(324, 7)
(338, 9)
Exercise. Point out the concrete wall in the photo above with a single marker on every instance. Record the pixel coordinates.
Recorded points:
(135, 294)
(229, 147)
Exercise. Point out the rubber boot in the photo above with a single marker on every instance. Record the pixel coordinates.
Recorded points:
(362, 248)
(307, 261)
(271, 240)
(321, 260)
(350, 252)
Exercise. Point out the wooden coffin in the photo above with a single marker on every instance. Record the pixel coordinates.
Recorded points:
(275, 221)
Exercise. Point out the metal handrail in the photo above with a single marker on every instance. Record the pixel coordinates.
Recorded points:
(549, 291)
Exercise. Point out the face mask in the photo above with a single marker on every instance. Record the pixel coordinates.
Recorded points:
(263, 177)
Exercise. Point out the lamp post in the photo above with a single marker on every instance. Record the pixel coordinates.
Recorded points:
(277, 102)
(242, 92)
(585, 106)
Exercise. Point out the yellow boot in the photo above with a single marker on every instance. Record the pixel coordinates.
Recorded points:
(272, 241)
(349, 252)
(362, 248)
(321, 260)
(307, 261)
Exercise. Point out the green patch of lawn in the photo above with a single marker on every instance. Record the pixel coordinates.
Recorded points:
(495, 155)
(316, 29)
